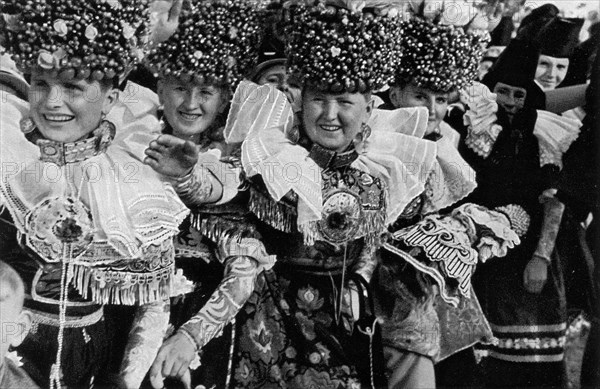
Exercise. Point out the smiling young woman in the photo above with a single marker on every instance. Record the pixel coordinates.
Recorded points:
(68, 110)
(191, 108)
(556, 41)
(334, 120)
(324, 185)
(216, 248)
(437, 61)
(90, 225)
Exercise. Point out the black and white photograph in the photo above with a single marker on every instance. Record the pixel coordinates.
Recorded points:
(299, 194)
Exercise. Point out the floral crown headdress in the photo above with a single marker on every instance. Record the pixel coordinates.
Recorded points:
(439, 57)
(339, 50)
(216, 42)
(97, 39)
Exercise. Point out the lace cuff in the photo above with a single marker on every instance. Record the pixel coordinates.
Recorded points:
(231, 294)
(480, 118)
(198, 187)
(555, 135)
(145, 338)
(449, 247)
(233, 246)
(490, 230)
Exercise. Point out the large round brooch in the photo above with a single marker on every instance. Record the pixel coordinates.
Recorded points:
(340, 217)
(58, 223)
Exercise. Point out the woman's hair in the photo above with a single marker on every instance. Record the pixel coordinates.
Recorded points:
(105, 83)
(366, 95)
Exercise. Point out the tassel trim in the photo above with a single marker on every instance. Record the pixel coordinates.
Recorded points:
(371, 226)
(107, 286)
(219, 228)
(276, 214)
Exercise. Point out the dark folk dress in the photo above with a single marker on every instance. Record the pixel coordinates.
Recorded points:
(530, 327)
(89, 337)
(296, 330)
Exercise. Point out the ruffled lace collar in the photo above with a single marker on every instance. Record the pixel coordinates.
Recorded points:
(63, 153)
(262, 119)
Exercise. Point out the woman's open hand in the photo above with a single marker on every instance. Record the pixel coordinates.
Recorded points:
(171, 156)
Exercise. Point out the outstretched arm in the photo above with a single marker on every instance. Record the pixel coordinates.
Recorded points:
(536, 272)
(146, 336)
(245, 259)
(177, 159)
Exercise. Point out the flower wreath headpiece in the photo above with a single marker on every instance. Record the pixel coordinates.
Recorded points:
(338, 49)
(216, 42)
(101, 39)
(439, 57)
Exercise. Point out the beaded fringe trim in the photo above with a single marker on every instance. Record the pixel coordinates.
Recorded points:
(123, 288)
(217, 228)
(372, 226)
(275, 214)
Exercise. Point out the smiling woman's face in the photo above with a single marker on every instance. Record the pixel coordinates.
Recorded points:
(334, 120)
(551, 71)
(189, 108)
(67, 111)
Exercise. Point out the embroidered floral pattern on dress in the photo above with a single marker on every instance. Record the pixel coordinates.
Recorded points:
(263, 338)
(244, 373)
(267, 352)
(463, 326)
(308, 299)
(313, 378)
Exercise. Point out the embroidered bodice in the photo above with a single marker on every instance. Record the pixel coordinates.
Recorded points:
(95, 203)
(353, 214)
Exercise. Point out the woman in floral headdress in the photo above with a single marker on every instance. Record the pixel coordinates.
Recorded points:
(425, 286)
(217, 248)
(323, 187)
(86, 223)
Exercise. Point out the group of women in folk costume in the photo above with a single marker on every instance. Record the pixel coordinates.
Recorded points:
(222, 233)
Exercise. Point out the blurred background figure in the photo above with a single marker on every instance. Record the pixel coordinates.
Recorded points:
(500, 37)
(582, 58)
(271, 64)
